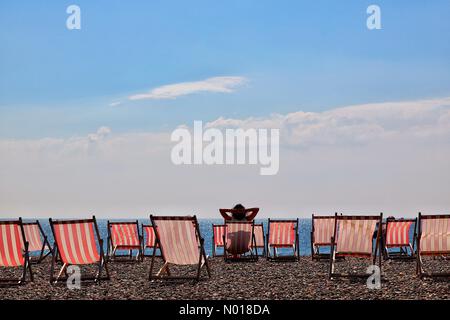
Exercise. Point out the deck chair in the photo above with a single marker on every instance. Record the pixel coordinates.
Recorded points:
(433, 241)
(396, 235)
(282, 234)
(322, 230)
(181, 244)
(353, 237)
(37, 240)
(124, 236)
(239, 241)
(217, 238)
(149, 240)
(77, 242)
(260, 239)
(14, 251)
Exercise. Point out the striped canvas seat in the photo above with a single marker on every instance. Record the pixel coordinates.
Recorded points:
(238, 237)
(180, 244)
(11, 245)
(149, 234)
(433, 240)
(323, 228)
(397, 233)
(259, 236)
(37, 240)
(218, 234)
(282, 233)
(217, 238)
(14, 250)
(354, 237)
(33, 236)
(124, 235)
(435, 237)
(76, 242)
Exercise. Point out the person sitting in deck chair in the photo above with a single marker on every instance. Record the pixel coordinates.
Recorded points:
(239, 213)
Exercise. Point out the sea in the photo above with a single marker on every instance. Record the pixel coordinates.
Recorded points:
(205, 230)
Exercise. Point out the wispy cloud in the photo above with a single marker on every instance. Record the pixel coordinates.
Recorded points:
(115, 103)
(173, 91)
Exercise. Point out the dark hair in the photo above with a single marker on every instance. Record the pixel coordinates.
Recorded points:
(239, 215)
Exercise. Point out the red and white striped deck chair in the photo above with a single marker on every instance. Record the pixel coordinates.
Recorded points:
(322, 231)
(124, 235)
(353, 237)
(149, 240)
(218, 238)
(260, 239)
(283, 234)
(397, 236)
(37, 240)
(77, 242)
(14, 251)
(434, 241)
(181, 244)
(239, 241)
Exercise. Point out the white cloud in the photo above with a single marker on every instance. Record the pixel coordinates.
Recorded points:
(390, 157)
(355, 124)
(172, 91)
(115, 103)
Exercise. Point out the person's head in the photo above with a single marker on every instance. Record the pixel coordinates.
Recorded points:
(240, 214)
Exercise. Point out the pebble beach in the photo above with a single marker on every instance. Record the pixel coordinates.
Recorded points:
(261, 280)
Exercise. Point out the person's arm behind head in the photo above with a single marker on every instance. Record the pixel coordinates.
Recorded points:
(224, 213)
(253, 212)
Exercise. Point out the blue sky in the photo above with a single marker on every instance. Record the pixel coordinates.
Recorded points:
(295, 55)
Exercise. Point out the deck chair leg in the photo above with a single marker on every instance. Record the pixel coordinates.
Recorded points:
(164, 268)
(63, 269)
(29, 270)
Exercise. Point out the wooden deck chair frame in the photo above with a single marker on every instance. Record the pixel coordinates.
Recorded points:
(26, 265)
(403, 254)
(45, 243)
(102, 263)
(445, 254)
(144, 244)
(253, 253)
(372, 256)
(111, 249)
(315, 247)
(295, 247)
(203, 259)
(263, 239)
(213, 244)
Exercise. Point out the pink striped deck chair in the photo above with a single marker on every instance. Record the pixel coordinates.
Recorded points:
(322, 231)
(181, 244)
(434, 241)
(77, 242)
(353, 237)
(260, 238)
(124, 235)
(37, 240)
(218, 238)
(396, 235)
(14, 250)
(239, 241)
(149, 240)
(282, 234)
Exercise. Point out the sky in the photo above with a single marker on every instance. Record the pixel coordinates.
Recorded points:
(86, 115)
